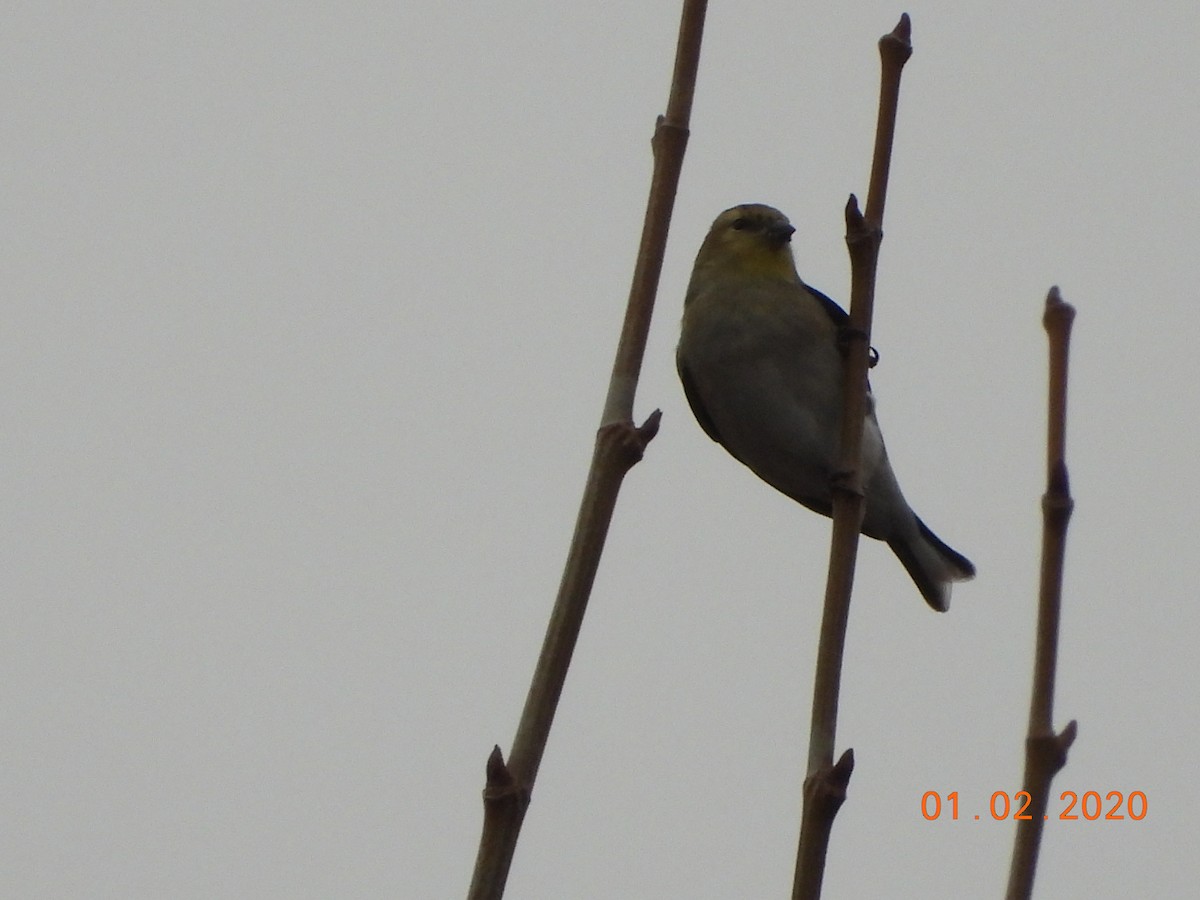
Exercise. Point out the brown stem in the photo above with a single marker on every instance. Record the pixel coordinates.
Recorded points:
(825, 784)
(619, 445)
(1045, 751)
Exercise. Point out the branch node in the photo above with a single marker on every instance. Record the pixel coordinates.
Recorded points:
(845, 481)
(648, 429)
(1057, 508)
(1050, 750)
(501, 788)
(825, 789)
(628, 441)
(1059, 314)
(854, 216)
(668, 136)
(896, 46)
(497, 770)
(847, 335)
(861, 234)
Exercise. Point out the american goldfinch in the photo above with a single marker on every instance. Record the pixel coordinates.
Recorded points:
(761, 367)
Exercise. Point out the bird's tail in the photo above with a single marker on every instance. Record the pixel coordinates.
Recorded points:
(932, 565)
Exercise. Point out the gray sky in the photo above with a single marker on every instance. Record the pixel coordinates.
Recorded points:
(309, 315)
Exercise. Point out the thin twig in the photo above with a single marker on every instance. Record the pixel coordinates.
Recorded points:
(619, 445)
(825, 784)
(1045, 751)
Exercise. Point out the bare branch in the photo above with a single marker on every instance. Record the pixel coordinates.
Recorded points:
(1045, 751)
(619, 445)
(825, 784)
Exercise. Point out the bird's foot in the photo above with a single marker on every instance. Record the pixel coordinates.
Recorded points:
(846, 335)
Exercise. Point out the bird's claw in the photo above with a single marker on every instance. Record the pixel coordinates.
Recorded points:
(847, 334)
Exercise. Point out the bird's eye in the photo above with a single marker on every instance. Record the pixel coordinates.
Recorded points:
(738, 224)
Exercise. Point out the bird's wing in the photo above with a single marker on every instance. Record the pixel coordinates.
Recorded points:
(841, 319)
(693, 398)
(839, 316)
(698, 409)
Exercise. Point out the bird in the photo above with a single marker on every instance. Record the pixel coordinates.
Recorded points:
(760, 358)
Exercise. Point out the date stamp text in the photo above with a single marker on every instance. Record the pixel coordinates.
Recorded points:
(1072, 806)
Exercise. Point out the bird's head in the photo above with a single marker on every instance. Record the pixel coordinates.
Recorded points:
(751, 239)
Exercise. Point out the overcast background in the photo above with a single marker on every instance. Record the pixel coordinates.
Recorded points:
(308, 316)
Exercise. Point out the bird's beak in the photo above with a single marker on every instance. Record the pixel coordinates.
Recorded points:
(780, 234)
